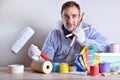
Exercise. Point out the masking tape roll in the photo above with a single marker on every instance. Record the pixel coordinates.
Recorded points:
(72, 68)
(64, 68)
(41, 66)
(16, 68)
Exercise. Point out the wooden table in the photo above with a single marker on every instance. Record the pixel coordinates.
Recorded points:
(30, 75)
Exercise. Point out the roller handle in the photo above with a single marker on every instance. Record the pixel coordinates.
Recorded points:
(44, 56)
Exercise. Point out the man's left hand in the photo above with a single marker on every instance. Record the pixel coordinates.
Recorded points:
(80, 34)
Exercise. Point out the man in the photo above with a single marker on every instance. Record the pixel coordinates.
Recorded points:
(57, 46)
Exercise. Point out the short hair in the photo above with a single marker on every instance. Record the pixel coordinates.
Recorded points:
(70, 4)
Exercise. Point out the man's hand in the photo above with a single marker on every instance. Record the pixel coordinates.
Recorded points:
(80, 35)
(34, 52)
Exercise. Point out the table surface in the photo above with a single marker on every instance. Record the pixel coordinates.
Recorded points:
(30, 75)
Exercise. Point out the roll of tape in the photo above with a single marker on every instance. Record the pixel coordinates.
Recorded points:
(64, 68)
(115, 48)
(56, 67)
(41, 66)
(16, 68)
(104, 67)
(72, 68)
(94, 70)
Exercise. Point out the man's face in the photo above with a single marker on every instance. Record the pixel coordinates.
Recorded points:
(70, 17)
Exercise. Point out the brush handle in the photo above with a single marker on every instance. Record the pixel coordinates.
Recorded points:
(82, 18)
(73, 40)
(44, 56)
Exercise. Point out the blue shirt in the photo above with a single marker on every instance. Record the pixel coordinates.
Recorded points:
(57, 46)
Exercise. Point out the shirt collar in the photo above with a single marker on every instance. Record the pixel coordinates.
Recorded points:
(66, 32)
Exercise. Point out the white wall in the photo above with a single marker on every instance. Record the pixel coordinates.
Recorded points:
(42, 16)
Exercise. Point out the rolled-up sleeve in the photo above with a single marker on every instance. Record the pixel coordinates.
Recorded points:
(94, 38)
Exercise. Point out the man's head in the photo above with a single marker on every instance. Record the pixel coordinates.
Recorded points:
(70, 14)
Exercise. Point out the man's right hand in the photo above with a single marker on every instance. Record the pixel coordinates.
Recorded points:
(34, 52)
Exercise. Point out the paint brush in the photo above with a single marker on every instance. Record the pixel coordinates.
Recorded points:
(74, 37)
(86, 28)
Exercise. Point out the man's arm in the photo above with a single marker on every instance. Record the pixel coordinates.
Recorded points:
(94, 38)
(50, 45)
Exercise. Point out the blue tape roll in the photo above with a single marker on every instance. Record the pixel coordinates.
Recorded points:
(56, 67)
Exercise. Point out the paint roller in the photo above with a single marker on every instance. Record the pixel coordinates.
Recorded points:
(33, 50)
(22, 39)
